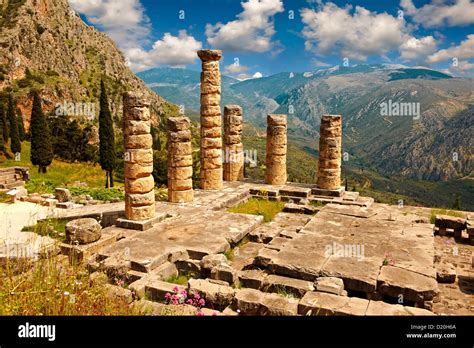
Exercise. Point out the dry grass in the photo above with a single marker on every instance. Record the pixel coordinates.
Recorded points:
(51, 287)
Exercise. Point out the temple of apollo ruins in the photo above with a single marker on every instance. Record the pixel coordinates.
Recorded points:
(335, 252)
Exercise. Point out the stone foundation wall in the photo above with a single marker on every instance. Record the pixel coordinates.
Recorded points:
(139, 183)
(276, 150)
(180, 160)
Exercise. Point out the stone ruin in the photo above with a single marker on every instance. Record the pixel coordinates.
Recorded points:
(276, 150)
(211, 132)
(234, 149)
(180, 160)
(331, 252)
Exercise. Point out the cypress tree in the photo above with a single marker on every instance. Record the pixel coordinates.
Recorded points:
(15, 144)
(457, 203)
(41, 148)
(2, 143)
(21, 125)
(5, 130)
(106, 137)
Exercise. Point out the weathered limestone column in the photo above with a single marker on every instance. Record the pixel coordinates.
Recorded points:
(330, 142)
(180, 160)
(234, 149)
(211, 122)
(276, 150)
(139, 183)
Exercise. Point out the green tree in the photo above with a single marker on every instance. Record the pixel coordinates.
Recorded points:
(457, 203)
(106, 138)
(21, 125)
(2, 143)
(41, 148)
(15, 144)
(3, 116)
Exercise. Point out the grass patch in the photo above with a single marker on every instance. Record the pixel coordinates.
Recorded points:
(449, 212)
(50, 287)
(100, 194)
(181, 279)
(59, 173)
(53, 228)
(4, 198)
(229, 254)
(317, 204)
(267, 209)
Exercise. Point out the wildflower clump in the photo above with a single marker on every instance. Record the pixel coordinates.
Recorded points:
(182, 297)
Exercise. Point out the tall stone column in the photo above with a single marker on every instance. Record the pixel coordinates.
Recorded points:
(234, 149)
(330, 142)
(180, 160)
(211, 122)
(139, 183)
(276, 150)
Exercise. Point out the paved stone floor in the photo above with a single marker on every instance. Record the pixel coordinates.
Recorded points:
(350, 257)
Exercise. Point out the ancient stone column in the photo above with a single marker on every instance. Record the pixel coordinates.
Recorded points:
(234, 149)
(330, 142)
(139, 183)
(180, 160)
(276, 150)
(211, 122)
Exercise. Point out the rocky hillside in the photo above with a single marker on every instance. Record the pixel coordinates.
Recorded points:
(46, 45)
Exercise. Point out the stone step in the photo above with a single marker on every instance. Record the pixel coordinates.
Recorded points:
(7, 181)
(264, 192)
(395, 282)
(324, 304)
(156, 290)
(295, 191)
(287, 286)
(300, 209)
(215, 294)
(12, 186)
(292, 199)
(254, 302)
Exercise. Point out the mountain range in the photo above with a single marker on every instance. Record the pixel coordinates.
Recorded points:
(434, 145)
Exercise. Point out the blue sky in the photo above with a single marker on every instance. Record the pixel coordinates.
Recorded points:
(270, 36)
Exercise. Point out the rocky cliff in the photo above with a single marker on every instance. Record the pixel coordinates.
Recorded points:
(47, 46)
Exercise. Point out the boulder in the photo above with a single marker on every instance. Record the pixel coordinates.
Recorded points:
(83, 231)
(62, 195)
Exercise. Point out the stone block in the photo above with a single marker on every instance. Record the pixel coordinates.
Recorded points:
(214, 294)
(324, 304)
(83, 231)
(330, 285)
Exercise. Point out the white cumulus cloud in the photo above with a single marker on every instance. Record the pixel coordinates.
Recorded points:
(125, 21)
(335, 30)
(418, 49)
(463, 51)
(233, 69)
(252, 31)
(441, 13)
